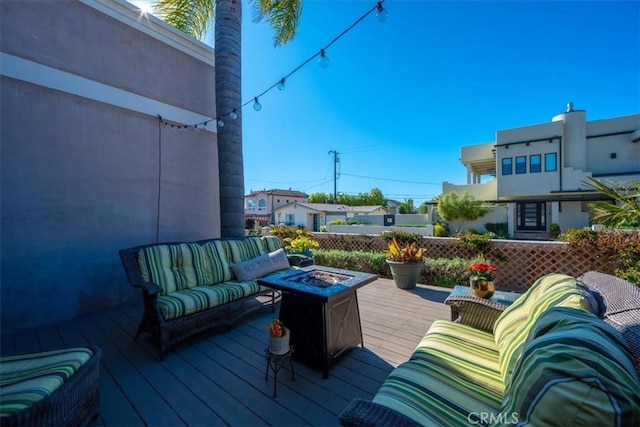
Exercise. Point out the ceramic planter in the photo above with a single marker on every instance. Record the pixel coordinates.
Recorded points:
(405, 274)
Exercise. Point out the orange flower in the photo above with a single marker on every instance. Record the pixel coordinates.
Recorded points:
(277, 328)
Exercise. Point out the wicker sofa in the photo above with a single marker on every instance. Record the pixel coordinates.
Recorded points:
(553, 359)
(190, 287)
(53, 388)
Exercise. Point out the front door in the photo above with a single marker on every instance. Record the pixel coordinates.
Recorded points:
(531, 216)
(316, 222)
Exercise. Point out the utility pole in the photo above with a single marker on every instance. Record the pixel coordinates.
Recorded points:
(335, 175)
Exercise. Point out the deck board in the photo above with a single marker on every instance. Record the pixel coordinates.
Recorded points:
(217, 377)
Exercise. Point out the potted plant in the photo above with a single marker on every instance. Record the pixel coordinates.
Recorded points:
(301, 244)
(481, 279)
(278, 337)
(406, 262)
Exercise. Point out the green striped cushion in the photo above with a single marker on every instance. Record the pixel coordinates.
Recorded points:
(173, 267)
(271, 243)
(28, 378)
(189, 301)
(464, 351)
(242, 250)
(217, 253)
(513, 325)
(431, 395)
(575, 370)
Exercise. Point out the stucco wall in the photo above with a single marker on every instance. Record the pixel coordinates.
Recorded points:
(86, 166)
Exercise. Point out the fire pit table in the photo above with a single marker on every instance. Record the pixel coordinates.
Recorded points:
(320, 307)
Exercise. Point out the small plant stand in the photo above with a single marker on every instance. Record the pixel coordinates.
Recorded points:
(275, 362)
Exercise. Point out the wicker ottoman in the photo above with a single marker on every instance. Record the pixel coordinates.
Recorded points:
(53, 388)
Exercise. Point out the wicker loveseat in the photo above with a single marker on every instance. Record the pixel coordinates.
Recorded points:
(551, 361)
(194, 286)
(53, 388)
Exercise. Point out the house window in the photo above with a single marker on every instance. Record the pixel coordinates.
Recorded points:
(550, 162)
(251, 205)
(531, 216)
(521, 164)
(535, 163)
(262, 205)
(290, 219)
(507, 166)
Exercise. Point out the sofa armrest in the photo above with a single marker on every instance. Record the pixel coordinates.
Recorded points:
(299, 260)
(364, 413)
(151, 288)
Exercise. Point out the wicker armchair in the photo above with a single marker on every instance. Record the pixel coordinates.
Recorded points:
(74, 403)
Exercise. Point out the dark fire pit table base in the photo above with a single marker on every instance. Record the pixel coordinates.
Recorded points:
(320, 307)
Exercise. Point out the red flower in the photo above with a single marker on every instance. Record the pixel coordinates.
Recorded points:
(481, 271)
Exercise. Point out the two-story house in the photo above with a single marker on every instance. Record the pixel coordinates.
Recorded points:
(540, 171)
(259, 206)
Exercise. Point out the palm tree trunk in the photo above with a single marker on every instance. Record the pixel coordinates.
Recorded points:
(228, 19)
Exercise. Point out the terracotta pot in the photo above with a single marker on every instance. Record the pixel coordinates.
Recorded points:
(482, 288)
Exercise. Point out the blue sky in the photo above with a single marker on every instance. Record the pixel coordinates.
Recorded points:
(401, 97)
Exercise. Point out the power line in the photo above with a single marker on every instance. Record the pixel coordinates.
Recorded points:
(393, 180)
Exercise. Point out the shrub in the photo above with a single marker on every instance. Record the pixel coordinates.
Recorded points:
(439, 230)
(623, 249)
(323, 228)
(499, 229)
(367, 262)
(338, 222)
(402, 237)
(475, 242)
(289, 232)
(554, 230)
(447, 272)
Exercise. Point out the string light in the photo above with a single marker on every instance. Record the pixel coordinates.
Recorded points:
(323, 61)
(381, 13)
(256, 105)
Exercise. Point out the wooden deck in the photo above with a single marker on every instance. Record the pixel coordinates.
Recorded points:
(217, 378)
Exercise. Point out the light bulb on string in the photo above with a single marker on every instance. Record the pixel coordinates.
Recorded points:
(233, 114)
(220, 123)
(256, 105)
(323, 60)
(281, 84)
(382, 13)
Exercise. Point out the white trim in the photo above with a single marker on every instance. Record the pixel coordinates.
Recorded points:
(41, 75)
(130, 15)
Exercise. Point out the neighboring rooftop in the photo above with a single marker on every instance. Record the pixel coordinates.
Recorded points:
(278, 192)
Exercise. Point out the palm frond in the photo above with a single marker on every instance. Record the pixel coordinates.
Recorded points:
(193, 17)
(626, 209)
(283, 17)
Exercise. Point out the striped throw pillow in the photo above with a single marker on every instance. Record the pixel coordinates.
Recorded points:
(174, 267)
(575, 370)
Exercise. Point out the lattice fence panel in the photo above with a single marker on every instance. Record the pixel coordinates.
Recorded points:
(523, 263)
